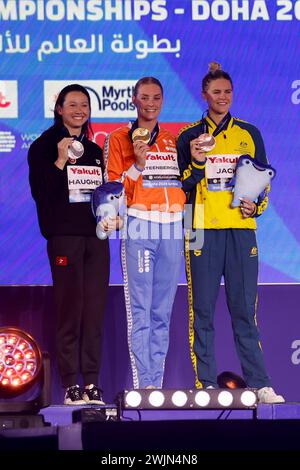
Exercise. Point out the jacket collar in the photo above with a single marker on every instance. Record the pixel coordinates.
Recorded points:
(226, 122)
(62, 131)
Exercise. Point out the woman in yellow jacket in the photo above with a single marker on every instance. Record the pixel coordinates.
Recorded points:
(230, 247)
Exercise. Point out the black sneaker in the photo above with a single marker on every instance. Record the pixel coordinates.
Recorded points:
(92, 395)
(73, 396)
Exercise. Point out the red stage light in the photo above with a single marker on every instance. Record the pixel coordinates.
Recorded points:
(20, 362)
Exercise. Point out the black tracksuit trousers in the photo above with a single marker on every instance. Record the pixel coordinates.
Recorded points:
(80, 272)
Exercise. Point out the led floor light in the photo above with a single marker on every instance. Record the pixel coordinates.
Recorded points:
(189, 399)
(23, 367)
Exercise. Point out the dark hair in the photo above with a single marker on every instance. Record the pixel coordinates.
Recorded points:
(147, 81)
(214, 72)
(86, 128)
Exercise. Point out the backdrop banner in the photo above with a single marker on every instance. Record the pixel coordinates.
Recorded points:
(107, 46)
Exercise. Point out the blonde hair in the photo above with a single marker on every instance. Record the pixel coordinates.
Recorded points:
(213, 67)
(214, 72)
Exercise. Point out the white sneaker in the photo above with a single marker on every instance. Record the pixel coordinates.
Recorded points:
(267, 395)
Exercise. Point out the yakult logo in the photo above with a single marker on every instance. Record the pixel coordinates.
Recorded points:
(109, 98)
(161, 157)
(8, 99)
(86, 171)
(223, 159)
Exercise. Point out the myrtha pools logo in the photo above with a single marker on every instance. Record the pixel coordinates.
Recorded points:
(109, 98)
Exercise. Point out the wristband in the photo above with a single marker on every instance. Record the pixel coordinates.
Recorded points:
(137, 168)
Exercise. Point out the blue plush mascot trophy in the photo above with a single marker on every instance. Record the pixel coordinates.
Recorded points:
(250, 180)
(106, 202)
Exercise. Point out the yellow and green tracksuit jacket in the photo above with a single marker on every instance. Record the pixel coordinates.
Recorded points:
(207, 184)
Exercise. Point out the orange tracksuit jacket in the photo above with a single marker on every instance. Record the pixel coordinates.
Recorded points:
(120, 161)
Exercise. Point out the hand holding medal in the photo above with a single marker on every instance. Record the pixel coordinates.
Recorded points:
(202, 144)
(141, 138)
(141, 134)
(75, 151)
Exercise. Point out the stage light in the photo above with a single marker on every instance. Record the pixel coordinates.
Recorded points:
(20, 362)
(202, 398)
(248, 398)
(156, 398)
(179, 398)
(23, 368)
(133, 398)
(225, 398)
(228, 379)
(188, 399)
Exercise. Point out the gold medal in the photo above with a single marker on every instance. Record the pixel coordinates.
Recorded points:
(141, 134)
